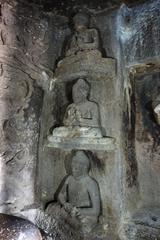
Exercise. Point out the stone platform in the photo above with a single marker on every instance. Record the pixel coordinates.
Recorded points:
(82, 138)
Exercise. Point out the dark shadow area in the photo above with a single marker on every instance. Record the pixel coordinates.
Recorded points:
(146, 95)
(67, 6)
(129, 131)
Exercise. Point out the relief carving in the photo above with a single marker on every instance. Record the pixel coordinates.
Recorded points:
(84, 38)
(81, 127)
(82, 112)
(81, 88)
(79, 194)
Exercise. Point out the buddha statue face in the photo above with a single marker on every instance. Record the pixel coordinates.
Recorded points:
(80, 91)
(80, 164)
(81, 21)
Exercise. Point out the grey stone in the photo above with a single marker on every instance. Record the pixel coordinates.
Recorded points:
(122, 71)
(82, 126)
(84, 38)
(144, 224)
(13, 228)
(79, 194)
(82, 112)
(80, 138)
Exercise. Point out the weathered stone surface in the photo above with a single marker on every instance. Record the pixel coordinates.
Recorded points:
(145, 224)
(81, 124)
(81, 138)
(140, 51)
(54, 222)
(32, 42)
(82, 64)
(12, 227)
(139, 29)
(21, 98)
(79, 193)
(139, 232)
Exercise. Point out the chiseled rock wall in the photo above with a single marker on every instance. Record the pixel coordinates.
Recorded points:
(139, 29)
(24, 42)
(31, 43)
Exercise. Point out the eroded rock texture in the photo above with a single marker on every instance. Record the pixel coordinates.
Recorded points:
(140, 50)
(21, 98)
(32, 42)
(12, 227)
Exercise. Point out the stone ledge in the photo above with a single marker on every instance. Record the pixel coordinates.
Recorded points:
(81, 143)
(87, 63)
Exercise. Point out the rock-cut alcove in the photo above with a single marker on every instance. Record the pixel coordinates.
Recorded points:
(45, 63)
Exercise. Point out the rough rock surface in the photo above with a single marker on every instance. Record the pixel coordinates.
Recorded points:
(31, 45)
(12, 227)
(21, 98)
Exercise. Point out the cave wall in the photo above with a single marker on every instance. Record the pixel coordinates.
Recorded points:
(139, 44)
(25, 58)
(105, 168)
(31, 45)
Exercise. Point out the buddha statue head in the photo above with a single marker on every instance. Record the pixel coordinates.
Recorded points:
(80, 91)
(80, 164)
(81, 21)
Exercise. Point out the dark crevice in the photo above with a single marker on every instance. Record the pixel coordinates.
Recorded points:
(132, 168)
(66, 7)
(12, 158)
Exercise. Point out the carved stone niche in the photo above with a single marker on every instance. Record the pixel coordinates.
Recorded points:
(147, 136)
(79, 194)
(92, 78)
(144, 203)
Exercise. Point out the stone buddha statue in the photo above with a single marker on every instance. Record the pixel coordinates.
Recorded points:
(81, 128)
(79, 194)
(82, 112)
(84, 38)
(81, 118)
